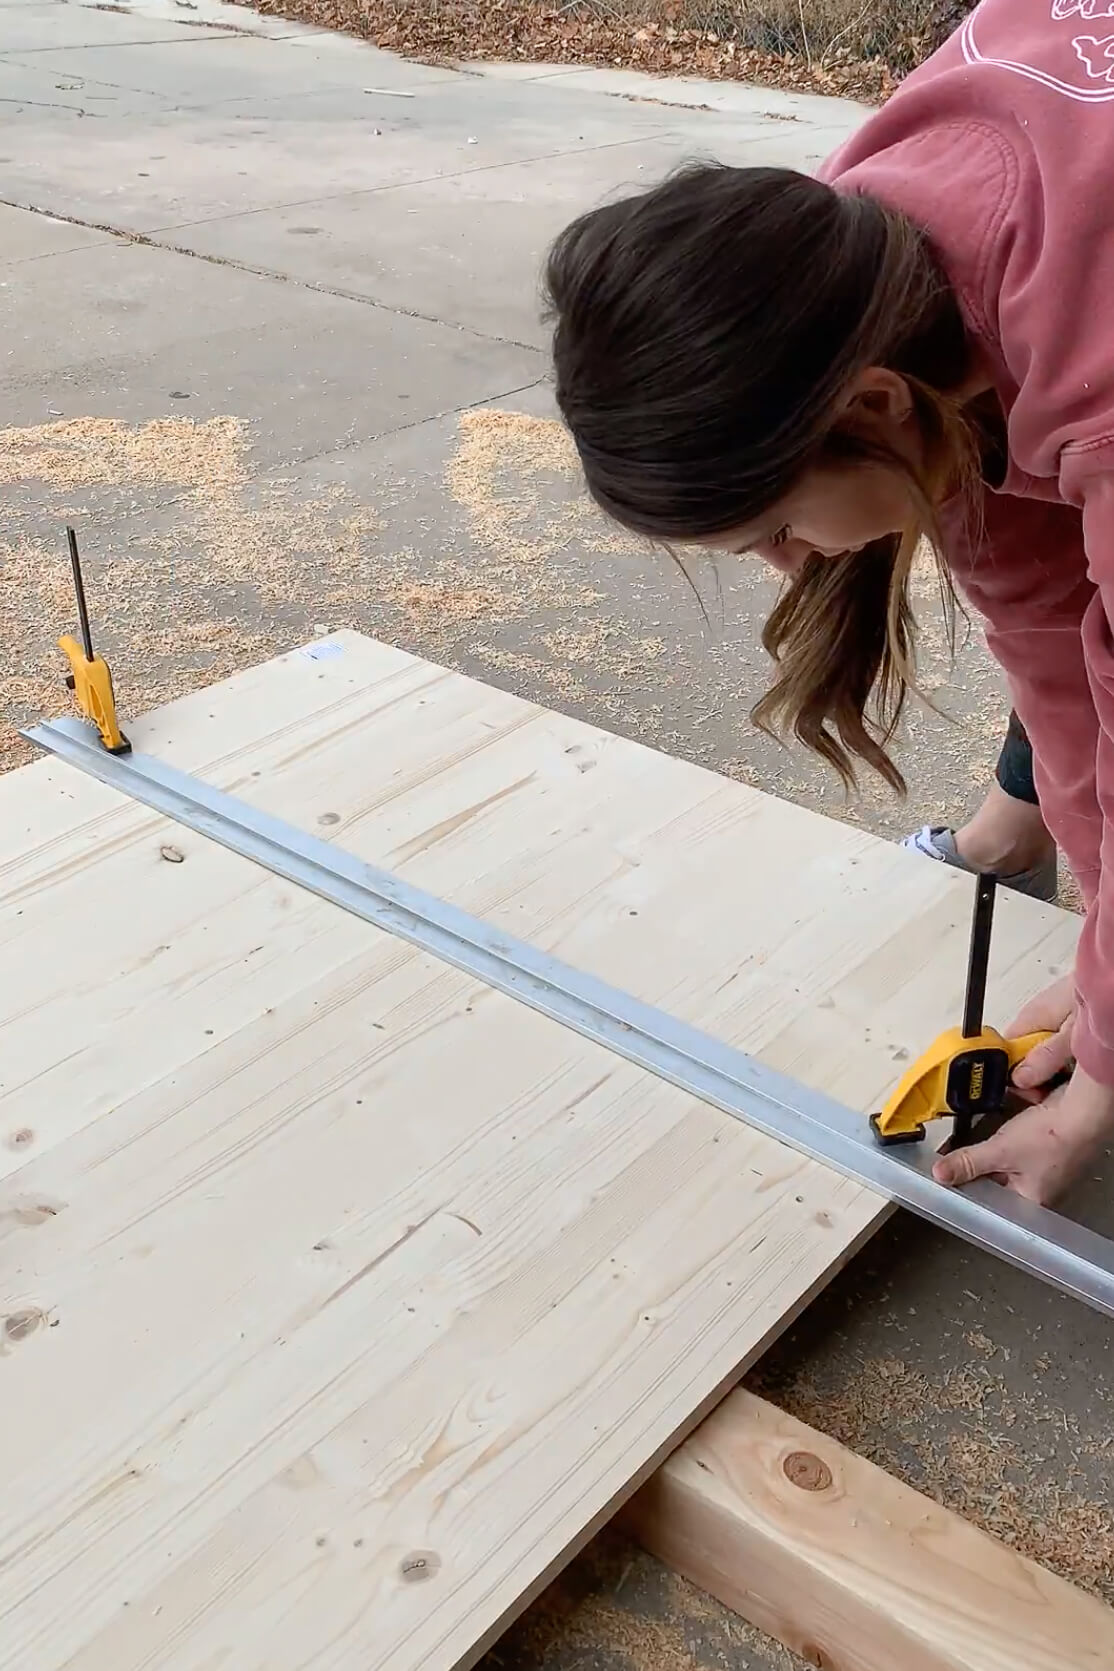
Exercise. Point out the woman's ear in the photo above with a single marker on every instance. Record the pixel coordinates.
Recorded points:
(881, 396)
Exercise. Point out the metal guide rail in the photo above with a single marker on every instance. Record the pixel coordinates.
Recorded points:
(1036, 1239)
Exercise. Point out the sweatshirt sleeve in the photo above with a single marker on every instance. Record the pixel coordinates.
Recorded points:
(1093, 491)
(1048, 629)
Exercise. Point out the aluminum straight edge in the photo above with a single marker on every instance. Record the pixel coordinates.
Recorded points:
(1056, 1249)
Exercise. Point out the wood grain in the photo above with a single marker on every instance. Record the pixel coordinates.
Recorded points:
(850, 1568)
(345, 1298)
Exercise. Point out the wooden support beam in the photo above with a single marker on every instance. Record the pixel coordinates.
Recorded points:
(850, 1568)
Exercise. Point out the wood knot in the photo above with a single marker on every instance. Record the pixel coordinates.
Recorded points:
(419, 1565)
(18, 1325)
(807, 1471)
(36, 1214)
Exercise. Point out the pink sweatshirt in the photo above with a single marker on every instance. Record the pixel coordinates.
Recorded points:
(1002, 148)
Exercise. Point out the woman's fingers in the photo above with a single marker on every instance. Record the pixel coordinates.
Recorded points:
(1045, 1061)
(1047, 1011)
(1037, 1154)
(1051, 1011)
(978, 1160)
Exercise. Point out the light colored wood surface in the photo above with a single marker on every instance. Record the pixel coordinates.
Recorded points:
(849, 1567)
(343, 1298)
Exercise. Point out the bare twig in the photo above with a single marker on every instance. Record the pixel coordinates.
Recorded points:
(804, 32)
(855, 23)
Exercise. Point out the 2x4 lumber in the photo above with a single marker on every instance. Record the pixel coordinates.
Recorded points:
(850, 1568)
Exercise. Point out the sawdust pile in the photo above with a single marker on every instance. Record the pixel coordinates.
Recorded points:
(501, 462)
(89, 452)
(205, 570)
(198, 562)
(1046, 1494)
(616, 1606)
(195, 565)
(535, 546)
(679, 678)
(518, 480)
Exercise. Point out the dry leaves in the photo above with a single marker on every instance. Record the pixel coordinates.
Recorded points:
(456, 30)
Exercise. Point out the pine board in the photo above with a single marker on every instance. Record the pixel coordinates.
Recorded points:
(344, 1298)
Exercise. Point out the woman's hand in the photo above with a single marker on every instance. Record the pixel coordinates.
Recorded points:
(1051, 1011)
(1042, 1150)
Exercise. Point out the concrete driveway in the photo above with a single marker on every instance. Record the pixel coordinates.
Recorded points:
(211, 217)
(271, 337)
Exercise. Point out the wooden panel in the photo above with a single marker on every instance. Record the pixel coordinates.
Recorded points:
(344, 1298)
(849, 1567)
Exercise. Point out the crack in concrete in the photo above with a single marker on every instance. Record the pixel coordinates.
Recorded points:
(149, 241)
(52, 104)
(405, 185)
(112, 46)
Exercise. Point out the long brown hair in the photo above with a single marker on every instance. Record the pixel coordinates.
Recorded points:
(704, 333)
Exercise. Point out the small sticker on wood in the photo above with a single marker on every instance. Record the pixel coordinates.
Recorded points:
(326, 650)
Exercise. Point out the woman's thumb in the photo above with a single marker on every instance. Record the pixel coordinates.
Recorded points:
(963, 1166)
(1044, 1061)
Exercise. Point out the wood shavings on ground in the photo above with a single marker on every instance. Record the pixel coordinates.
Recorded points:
(192, 569)
(433, 602)
(197, 564)
(518, 479)
(500, 465)
(88, 452)
(1036, 1492)
(533, 547)
(194, 566)
(616, 1609)
(537, 545)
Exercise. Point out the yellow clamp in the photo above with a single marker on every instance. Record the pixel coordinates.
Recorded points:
(956, 1075)
(91, 683)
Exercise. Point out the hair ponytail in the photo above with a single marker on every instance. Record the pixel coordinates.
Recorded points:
(704, 333)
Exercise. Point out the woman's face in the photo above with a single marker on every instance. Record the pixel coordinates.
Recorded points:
(834, 511)
(830, 513)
